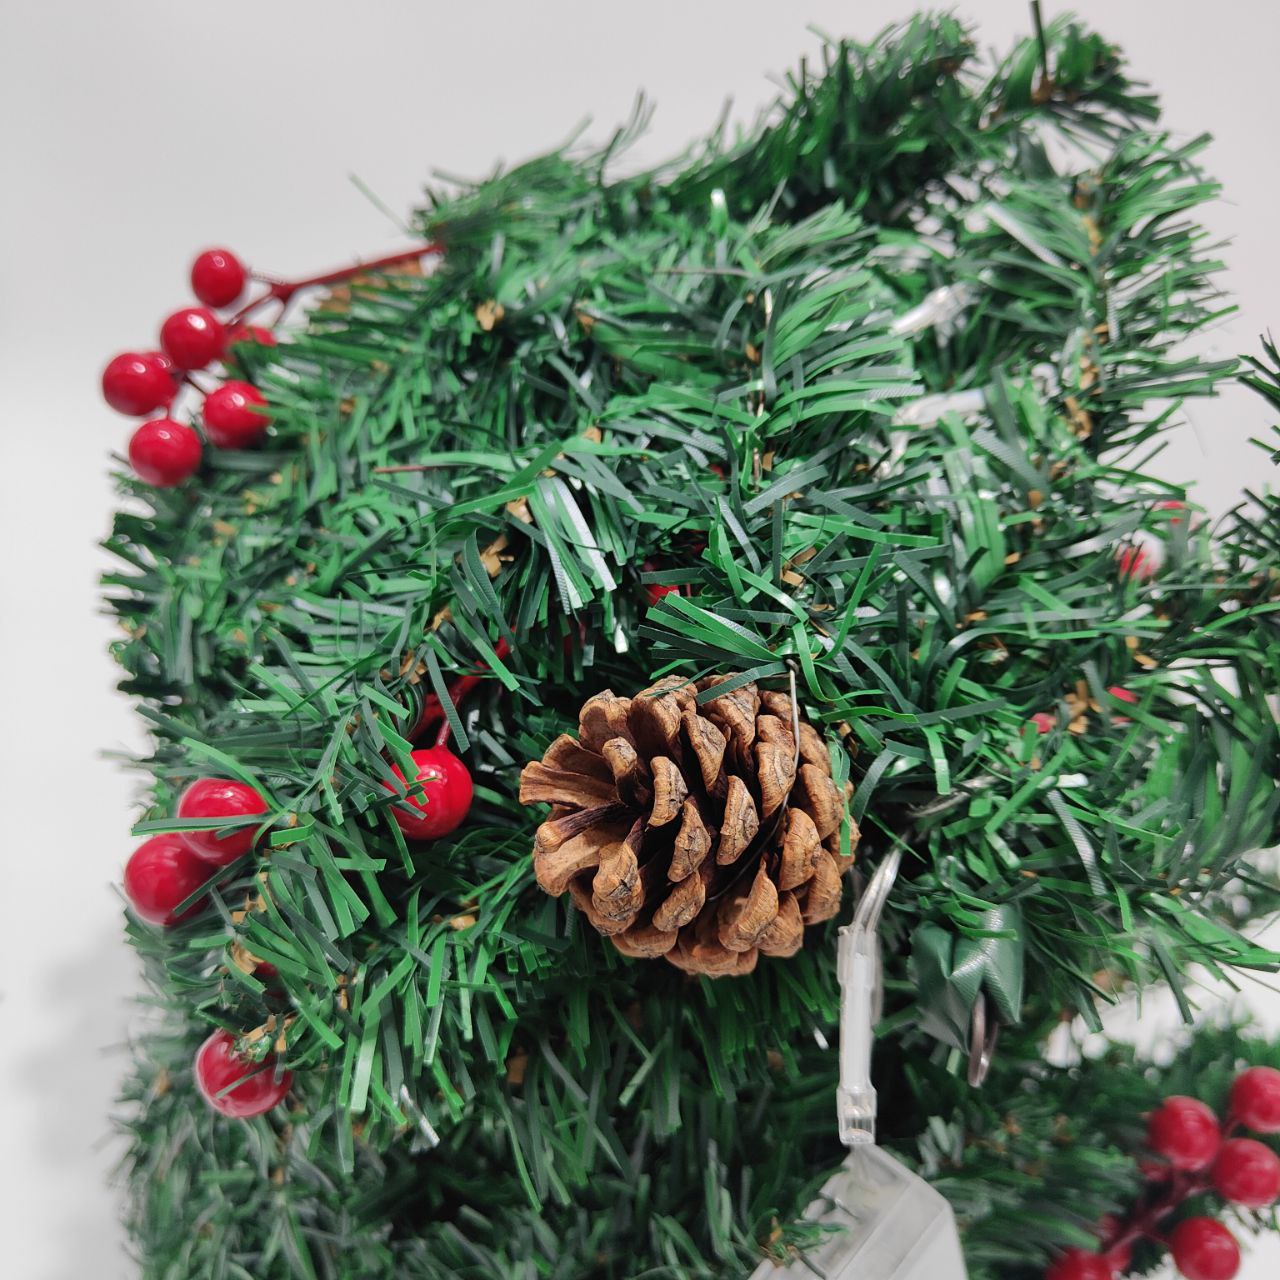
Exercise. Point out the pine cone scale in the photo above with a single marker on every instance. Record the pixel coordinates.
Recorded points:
(562, 787)
(800, 846)
(693, 843)
(556, 866)
(682, 904)
(741, 823)
(669, 791)
(706, 832)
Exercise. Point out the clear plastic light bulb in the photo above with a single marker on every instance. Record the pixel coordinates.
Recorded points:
(887, 1222)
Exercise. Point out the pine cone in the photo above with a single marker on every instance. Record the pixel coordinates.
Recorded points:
(699, 833)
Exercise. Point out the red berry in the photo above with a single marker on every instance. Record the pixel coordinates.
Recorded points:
(1255, 1099)
(1136, 563)
(1121, 695)
(574, 640)
(1044, 721)
(138, 382)
(217, 277)
(192, 337)
(1119, 1258)
(161, 873)
(220, 798)
(447, 785)
(1203, 1249)
(656, 590)
(1185, 1132)
(234, 415)
(1248, 1173)
(1079, 1264)
(218, 1068)
(251, 333)
(164, 452)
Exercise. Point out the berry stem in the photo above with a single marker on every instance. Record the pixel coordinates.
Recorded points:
(282, 291)
(1146, 1217)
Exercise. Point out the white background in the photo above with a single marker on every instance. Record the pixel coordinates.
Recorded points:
(135, 132)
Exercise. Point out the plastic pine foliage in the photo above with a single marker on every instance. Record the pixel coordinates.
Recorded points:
(875, 386)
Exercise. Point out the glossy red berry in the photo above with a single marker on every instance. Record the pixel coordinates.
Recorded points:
(251, 333)
(1044, 721)
(1185, 1132)
(1247, 1172)
(192, 337)
(1203, 1249)
(235, 415)
(161, 874)
(164, 452)
(1079, 1264)
(138, 382)
(447, 799)
(236, 1086)
(220, 798)
(1255, 1099)
(217, 277)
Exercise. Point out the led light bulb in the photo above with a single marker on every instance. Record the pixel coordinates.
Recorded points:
(890, 1224)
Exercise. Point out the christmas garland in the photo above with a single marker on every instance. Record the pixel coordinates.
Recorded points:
(790, 494)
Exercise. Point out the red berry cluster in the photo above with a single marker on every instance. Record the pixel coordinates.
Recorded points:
(166, 871)
(164, 451)
(1194, 1153)
(159, 877)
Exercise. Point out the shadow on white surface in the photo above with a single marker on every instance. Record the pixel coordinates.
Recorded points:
(68, 1079)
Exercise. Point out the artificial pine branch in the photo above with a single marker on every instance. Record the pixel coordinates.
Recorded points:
(722, 370)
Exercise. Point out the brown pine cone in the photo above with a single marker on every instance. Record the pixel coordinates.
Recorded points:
(699, 833)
